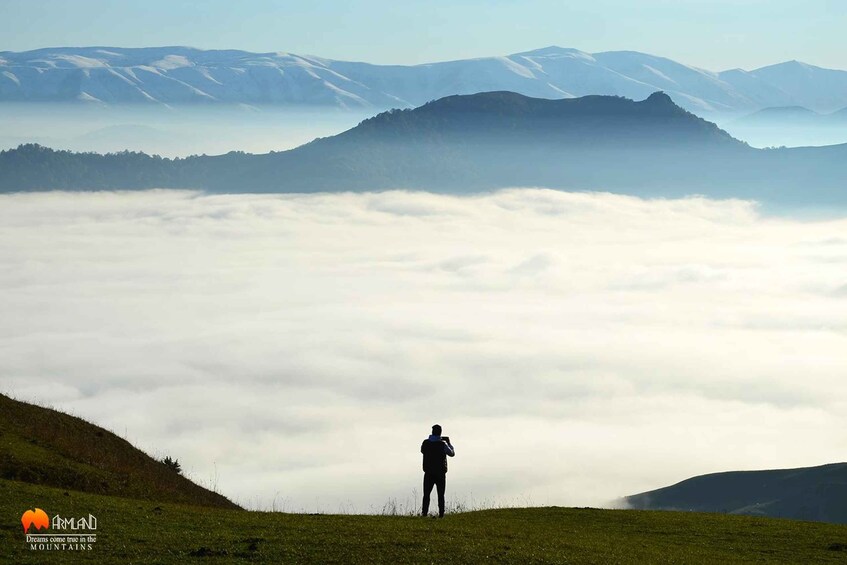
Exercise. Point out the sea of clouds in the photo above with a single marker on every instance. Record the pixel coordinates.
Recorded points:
(293, 350)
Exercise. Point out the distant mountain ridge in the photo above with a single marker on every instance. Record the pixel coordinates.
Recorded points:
(794, 115)
(472, 143)
(811, 493)
(183, 75)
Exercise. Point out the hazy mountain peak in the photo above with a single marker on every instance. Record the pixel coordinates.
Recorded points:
(552, 50)
(786, 110)
(793, 64)
(556, 52)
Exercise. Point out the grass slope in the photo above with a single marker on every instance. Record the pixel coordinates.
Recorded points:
(147, 513)
(134, 531)
(42, 446)
(809, 493)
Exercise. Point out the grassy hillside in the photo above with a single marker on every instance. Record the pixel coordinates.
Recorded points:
(148, 513)
(45, 447)
(135, 531)
(809, 493)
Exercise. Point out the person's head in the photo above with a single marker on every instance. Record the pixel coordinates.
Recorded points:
(436, 430)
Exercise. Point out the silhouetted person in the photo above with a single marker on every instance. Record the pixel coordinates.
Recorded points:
(435, 450)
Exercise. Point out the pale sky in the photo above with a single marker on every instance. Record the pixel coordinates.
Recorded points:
(715, 35)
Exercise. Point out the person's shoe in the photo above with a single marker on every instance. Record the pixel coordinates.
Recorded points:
(441, 515)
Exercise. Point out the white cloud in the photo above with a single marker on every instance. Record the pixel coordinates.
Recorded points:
(577, 347)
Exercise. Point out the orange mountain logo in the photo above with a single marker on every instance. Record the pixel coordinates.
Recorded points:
(37, 518)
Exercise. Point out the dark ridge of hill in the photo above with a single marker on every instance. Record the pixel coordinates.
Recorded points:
(479, 142)
(46, 447)
(492, 116)
(810, 493)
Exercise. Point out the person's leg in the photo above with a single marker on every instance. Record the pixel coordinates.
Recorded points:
(440, 485)
(428, 483)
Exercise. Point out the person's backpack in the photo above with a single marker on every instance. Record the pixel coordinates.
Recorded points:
(434, 458)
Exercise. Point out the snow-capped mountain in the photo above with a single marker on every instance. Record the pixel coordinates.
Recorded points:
(823, 90)
(178, 75)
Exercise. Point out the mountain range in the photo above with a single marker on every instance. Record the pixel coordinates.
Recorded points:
(472, 143)
(183, 75)
(794, 115)
(811, 493)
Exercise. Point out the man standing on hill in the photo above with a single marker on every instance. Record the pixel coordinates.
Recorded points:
(435, 450)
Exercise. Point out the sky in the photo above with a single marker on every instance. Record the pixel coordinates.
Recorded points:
(293, 350)
(716, 34)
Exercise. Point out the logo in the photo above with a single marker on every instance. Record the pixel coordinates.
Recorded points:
(66, 534)
(35, 518)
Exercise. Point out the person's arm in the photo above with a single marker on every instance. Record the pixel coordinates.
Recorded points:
(449, 449)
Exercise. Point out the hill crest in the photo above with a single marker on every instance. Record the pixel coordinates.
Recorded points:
(478, 142)
(607, 120)
(807, 493)
(46, 447)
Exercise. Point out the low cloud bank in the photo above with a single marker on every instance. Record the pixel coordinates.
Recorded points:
(576, 347)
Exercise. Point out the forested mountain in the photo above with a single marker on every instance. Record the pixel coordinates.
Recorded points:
(478, 142)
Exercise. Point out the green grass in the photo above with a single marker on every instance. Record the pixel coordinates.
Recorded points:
(71, 467)
(140, 531)
(46, 447)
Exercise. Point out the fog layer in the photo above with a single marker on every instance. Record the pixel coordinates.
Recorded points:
(576, 347)
(169, 132)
